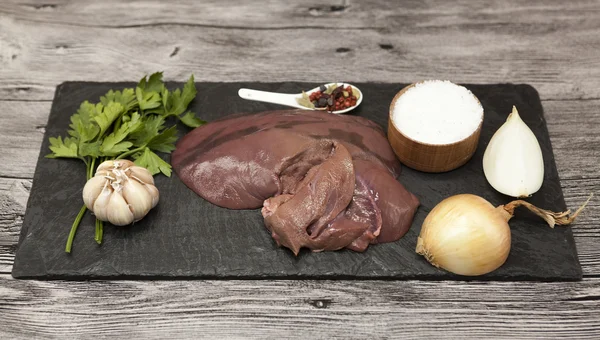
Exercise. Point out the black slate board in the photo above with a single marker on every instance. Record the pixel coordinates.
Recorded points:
(187, 237)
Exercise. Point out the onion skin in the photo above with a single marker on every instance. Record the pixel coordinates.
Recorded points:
(466, 235)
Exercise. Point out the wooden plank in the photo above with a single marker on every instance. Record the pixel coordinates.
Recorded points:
(7, 258)
(22, 127)
(574, 128)
(45, 45)
(299, 309)
(273, 14)
(13, 200)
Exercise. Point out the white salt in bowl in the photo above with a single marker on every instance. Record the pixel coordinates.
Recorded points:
(434, 125)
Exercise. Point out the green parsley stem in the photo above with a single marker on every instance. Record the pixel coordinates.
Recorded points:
(91, 169)
(131, 152)
(99, 231)
(74, 229)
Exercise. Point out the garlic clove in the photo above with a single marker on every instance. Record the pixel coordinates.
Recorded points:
(118, 211)
(124, 164)
(101, 203)
(102, 173)
(105, 166)
(153, 193)
(141, 174)
(513, 163)
(138, 198)
(92, 190)
(114, 164)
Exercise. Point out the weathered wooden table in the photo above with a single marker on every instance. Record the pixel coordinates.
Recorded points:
(553, 45)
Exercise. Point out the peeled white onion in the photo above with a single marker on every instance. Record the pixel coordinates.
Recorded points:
(512, 161)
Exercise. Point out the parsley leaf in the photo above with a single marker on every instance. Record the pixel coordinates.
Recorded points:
(152, 162)
(113, 144)
(165, 141)
(108, 115)
(126, 98)
(165, 97)
(147, 131)
(191, 120)
(60, 148)
(153, 84)
(179, 100)
(147, 100)
(82, 126)
(110, 148)
(91, 149)
(133, 122)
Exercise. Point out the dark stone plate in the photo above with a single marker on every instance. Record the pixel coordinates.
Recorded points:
(187, 237)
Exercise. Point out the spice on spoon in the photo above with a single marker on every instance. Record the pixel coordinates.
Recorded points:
(330, 98)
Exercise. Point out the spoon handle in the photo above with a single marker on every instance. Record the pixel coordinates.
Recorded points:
(270, 97)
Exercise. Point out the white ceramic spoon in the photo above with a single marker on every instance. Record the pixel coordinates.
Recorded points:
(290, 99)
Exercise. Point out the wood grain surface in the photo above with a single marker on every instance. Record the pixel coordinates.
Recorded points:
(552, 45)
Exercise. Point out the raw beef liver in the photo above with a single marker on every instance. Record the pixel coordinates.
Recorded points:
(323, 181)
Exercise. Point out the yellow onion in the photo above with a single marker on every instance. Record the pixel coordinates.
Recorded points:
(466, 235)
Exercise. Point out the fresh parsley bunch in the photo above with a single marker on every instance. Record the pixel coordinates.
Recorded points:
(130, 123)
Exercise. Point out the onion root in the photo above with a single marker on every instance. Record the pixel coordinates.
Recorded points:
(552, 218)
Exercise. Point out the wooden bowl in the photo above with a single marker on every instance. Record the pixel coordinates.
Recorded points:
(430, 157)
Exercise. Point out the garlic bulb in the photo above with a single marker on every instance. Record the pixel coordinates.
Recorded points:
(513, 162)
(120, 192)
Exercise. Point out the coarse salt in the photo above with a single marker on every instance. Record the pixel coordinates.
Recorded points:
(437, 112)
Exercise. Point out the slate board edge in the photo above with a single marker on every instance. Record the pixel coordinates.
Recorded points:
(569, 229)
(43, 152)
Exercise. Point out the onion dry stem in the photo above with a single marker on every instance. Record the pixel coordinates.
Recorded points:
(552, 218)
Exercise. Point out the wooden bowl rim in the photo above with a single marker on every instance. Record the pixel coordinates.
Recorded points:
(403, 90)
